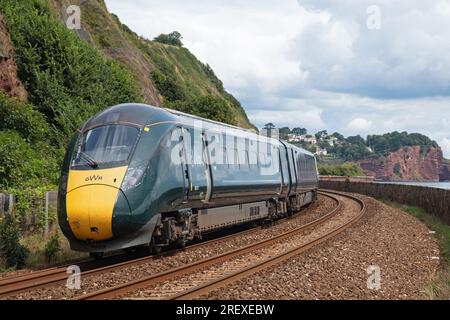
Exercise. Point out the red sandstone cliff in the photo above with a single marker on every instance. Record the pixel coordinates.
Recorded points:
(9, 82)
(408, 163)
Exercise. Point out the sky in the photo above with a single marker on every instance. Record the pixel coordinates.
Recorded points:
(352, 66)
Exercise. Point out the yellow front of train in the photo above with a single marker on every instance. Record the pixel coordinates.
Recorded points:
(95, 208)
(90, 201)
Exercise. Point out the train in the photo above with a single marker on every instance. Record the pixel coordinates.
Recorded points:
(136, 175)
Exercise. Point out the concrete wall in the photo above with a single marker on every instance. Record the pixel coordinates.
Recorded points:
(434, 201)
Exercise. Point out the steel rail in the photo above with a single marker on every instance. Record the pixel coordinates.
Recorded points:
(58, 274)
(233, 277)
(109, 293)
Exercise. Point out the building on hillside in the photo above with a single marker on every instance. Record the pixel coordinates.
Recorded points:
(310, 139)
(321, 151)
(332, 141)
(292, 137)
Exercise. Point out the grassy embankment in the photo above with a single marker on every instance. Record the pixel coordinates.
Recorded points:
(440, 288)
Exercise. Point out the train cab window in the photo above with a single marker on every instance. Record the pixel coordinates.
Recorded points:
(106, 145)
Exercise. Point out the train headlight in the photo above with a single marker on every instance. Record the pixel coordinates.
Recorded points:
(133, 178)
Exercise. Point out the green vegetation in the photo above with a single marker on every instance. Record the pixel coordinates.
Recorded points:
(173, 39)
(14, 254)
(440, 288)
(52, 248)
(42, 248)
(390, 142)
(347, 169)
(351, 149)
(209, 106)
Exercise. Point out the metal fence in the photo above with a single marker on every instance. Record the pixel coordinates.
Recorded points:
(6, 204)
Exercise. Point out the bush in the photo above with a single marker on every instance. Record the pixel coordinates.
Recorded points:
(52, 248)
(11, 250)
(209, 107)
(347, 169)
(19, 162)
(167, 86)
(23, 118)
(173, 38)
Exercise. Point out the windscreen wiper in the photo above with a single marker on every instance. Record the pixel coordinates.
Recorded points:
(91, 162)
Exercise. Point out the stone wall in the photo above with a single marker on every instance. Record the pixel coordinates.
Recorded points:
(434, 201)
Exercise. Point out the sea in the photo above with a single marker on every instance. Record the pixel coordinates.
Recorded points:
(439, 185)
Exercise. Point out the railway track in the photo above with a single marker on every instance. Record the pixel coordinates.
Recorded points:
(197, 279)
(58, 275)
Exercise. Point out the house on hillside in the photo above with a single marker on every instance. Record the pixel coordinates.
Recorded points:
(310, 139)
(332, 140)
(321, 151)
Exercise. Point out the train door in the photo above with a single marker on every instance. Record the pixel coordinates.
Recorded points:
(196, 163)
(284, 169)
(181, 145)
(293, 170)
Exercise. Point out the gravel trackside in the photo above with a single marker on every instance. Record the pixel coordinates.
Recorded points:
(404, 249)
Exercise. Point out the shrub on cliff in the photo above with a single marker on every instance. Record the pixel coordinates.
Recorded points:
(23, 165)
(209, 106)
(23, 118)
(173, 38)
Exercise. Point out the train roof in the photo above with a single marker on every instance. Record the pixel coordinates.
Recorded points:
(143, 114)
(132, 113)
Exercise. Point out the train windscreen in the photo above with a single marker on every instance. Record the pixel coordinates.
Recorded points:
(105, 146)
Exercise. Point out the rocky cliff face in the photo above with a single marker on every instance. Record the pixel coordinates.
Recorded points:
(409, 163)
(9, 82)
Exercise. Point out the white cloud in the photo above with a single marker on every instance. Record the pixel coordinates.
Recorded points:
(314, 63)
(359, 125)
(293, 118)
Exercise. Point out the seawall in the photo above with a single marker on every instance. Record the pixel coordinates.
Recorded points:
(434, 201)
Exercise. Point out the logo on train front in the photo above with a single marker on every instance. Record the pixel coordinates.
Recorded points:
(93, 178)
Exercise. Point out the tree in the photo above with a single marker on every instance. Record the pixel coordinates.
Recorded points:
(338, 136)
(173, 39)
(356, 140)
(321, 135)
(299, 131)
(284, 132)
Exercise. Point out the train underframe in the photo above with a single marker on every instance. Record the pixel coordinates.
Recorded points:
(180, 227)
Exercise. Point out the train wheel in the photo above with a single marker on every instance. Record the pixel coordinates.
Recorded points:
(181, 244)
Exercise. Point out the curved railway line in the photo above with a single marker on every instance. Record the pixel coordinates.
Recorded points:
(198, 278)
